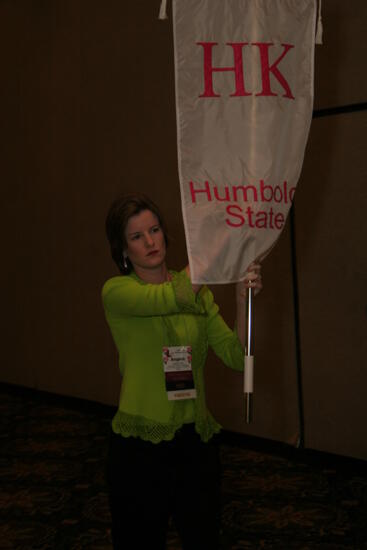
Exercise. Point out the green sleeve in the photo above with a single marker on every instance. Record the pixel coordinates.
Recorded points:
(129, 296)
(221, 338)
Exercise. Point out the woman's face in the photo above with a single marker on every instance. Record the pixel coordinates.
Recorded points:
(146, 246)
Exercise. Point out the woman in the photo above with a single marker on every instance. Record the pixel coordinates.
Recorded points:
(163, 459)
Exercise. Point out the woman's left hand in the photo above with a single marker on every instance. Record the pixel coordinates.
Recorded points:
(252, 280)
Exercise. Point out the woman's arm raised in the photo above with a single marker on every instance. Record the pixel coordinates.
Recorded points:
(127, 296)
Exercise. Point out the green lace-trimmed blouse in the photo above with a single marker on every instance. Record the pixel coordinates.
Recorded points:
(145, 317)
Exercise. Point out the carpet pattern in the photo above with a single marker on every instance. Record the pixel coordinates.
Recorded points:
(53, 494)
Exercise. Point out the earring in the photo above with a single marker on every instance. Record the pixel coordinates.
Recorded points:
(125, 262)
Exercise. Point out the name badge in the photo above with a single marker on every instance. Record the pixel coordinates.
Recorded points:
(178, 372)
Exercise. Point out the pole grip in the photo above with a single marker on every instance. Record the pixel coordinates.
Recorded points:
(249, 387)
(249, 374)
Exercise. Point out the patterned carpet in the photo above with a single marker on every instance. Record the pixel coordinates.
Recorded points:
(53, 493)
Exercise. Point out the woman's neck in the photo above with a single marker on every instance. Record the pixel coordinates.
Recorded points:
(157, 275)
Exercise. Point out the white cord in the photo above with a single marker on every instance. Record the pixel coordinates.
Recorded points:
(319, 29)
(163, 10)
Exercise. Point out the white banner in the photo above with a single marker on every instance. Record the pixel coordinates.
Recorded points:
(244, 96)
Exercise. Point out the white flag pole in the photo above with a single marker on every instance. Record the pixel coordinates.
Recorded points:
(249, 358)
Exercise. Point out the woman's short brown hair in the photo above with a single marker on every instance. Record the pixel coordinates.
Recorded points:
(121, 210)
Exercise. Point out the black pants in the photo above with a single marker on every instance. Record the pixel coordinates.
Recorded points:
(150, 482)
